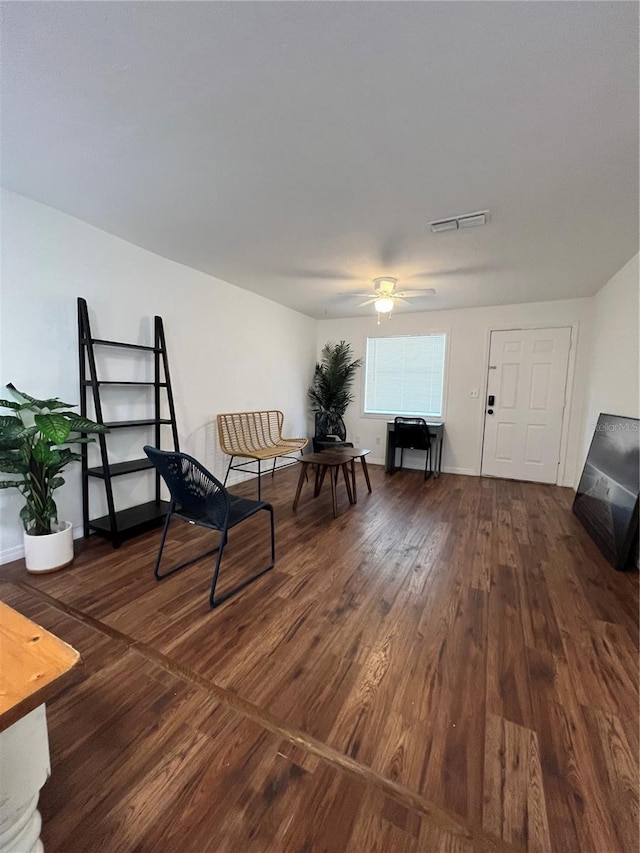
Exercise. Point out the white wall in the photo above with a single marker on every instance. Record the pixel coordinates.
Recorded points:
(613, 380)
(229, 350)
(468, 331)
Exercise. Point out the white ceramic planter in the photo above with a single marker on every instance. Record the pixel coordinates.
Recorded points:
(51, 552)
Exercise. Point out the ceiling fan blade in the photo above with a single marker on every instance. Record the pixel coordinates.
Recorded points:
(412, 294)
(400, 301)
(368, 302)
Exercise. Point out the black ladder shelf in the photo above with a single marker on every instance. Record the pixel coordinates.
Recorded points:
(123, 524)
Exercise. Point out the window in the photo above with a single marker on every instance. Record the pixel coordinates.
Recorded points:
(404, 375)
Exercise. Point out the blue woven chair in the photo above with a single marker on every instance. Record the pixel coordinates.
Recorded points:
(199, 498)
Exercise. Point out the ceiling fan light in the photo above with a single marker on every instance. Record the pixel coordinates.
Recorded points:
(385, 284)
(384, 305)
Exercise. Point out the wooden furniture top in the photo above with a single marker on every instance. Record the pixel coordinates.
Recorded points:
(34, 665)
(349, 452)
(329, 458)
(432, 424)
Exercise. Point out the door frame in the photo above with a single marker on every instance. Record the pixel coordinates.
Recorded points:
(561, 478)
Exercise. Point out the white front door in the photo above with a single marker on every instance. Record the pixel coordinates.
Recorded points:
(525, 403)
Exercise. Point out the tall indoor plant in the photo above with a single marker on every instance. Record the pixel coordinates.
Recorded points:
(32, 449)
(330, 390)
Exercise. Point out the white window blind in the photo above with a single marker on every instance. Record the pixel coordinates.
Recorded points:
(405, 375)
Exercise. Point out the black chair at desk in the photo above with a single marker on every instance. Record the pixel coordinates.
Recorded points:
(413, 434)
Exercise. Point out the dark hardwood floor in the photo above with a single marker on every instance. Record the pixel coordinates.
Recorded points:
(449, 666)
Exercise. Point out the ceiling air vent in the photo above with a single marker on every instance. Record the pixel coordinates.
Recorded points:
(444, 225)
(467, 220)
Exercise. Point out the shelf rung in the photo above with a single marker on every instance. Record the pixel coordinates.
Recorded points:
(89, 383)
(131, 521)
(120, 468)
(146, 422)
(122, 344)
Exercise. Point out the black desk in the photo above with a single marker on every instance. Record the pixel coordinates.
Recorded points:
(436, 431)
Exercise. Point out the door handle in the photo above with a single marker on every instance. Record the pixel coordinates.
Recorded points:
(491, 400)
(489, 411)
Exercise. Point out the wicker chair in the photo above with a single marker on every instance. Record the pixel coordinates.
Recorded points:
(200, 499)
(256, 436)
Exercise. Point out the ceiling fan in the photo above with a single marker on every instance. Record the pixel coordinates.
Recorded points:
(385, 297)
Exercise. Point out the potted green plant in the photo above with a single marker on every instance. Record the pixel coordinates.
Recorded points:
(32, 449)
(329, 394)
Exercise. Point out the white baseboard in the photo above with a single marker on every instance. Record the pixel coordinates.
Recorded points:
(466, 472)
(8, 555)
(446, 469)
(374, 460)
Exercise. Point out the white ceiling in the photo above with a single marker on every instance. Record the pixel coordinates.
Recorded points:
(299, 149)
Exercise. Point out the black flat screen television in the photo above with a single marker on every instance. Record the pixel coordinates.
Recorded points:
(607, 498)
